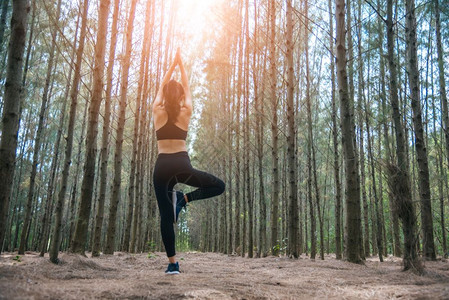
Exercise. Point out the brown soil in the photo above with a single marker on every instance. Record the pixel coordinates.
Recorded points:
(215, 276)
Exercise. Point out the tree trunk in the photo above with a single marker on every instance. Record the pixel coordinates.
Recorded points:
(361, 89)
(37, 142)
(335, 139)
(394, 219)
(17, 207)
(310, 157)
(259, 111)
(80, 236)
(138, 111)
(248, 199)
(4, 7)
(104, 152)
(399, 175)
(56, 240)
(54, 163)
(230, 228)
(420, 143)
(275, 242)
(443, 97)
(373, 179)
(54, 166)
(238, 222)
(4, 11)
(11, 109)
(292, 188)
(110, 240)
(352, 232)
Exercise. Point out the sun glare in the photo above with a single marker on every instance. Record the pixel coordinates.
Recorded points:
(193, 17)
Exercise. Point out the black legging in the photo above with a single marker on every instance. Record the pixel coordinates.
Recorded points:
(173, 168)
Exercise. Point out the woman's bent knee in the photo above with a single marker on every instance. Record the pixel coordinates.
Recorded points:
(221, 186)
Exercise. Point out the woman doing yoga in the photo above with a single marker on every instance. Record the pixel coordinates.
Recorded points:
(172, 110)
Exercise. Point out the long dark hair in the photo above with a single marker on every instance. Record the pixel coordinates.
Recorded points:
(173, 94)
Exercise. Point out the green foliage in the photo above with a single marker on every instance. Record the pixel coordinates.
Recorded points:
(281, 246)
(151, 246)
(17, 258)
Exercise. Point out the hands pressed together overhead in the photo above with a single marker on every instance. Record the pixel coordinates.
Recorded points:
(158, 102)
(177, 60)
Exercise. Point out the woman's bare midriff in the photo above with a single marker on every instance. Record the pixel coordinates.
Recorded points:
(171, 146)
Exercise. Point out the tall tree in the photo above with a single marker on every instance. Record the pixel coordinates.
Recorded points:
(39, 133)
(399, 177)
(80, 236)
(246, 136)
(110, 237)
(352, 191)
(104, 152)
(420, 143)
(373, 181)
(133, 189)
(335, 138)
(11, 109)
(46, 219)
(4, 7)
(360, 93)
(259, 107)
(291, 137)
(56, 240)
(238, 222)
(443, 98)
(275, 243)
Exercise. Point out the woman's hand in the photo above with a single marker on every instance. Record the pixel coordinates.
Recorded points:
(178, 57)
(158, 101)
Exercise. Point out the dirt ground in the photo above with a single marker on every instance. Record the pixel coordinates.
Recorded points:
(215, 276)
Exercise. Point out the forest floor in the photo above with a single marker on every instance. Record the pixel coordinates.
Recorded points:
(215, 276)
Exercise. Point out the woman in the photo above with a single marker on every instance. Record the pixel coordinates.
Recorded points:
(172, 110)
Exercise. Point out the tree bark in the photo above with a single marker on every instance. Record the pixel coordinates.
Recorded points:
(11, 109)
(335, 139)
(110, 239)
(444, 105)
(291, 137)
(4, 7)
(259, 111)
(37, 142)
(361, 89)
(46, 219)
(80, 236)
(399, 175)
(352, 232)
(104, 152)
(373, 179)
(246, 136)
(275, 243)
(238, 238)
(420, 143)
(133, 184)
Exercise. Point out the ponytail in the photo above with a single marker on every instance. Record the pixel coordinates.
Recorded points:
(173, 94)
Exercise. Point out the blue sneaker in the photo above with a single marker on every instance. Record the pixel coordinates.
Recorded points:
(178, 203)
(172, 269)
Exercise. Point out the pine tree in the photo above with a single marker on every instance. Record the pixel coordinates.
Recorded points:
(80, 235)
(11, 109)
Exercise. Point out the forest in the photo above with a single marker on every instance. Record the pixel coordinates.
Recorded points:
(328, 121)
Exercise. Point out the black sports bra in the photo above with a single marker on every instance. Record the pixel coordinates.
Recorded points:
(170, 132)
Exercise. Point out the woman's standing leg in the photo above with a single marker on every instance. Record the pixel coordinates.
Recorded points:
(166, 213)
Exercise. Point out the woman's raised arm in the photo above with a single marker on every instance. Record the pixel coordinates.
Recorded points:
(184, 82)
(157, 103)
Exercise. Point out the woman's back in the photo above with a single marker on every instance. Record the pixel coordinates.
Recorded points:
(171, 135)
